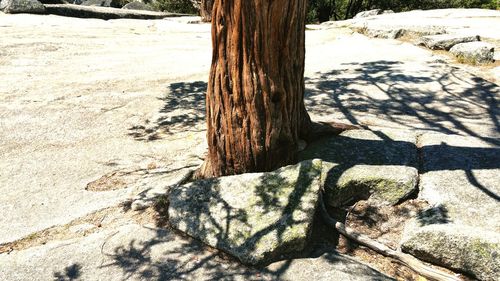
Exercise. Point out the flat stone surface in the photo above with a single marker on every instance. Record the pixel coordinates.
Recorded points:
(463, 175)
(135, 252)
(67, 119)
(255, 217)
(359, 164)
(401, 86)
(461, 181)
(456, 246)
(446, 41)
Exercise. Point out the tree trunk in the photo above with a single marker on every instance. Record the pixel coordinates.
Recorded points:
(255, 108)
(206, 7)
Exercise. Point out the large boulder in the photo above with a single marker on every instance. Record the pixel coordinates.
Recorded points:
(360, 164)
(461, 181)
(474, 52)
(255, 217)
(446, 41)
(22, 6)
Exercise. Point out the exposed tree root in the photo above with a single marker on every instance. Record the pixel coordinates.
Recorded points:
(405, 259)
(321, 129)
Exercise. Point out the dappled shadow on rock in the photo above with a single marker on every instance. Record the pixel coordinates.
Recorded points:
(431, 97)
(183, 111)
(70, 273)
(218, 218)
(434, 215)
(255, 217)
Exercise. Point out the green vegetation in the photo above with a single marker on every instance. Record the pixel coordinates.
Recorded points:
(324, 10)
(175, 6)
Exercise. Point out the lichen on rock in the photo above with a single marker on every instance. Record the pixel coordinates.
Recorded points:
(455, 246)
(256, 217)
(360, 164)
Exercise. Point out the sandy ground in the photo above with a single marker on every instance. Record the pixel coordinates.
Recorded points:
(81, 99)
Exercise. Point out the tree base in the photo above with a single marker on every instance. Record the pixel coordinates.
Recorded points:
(314, 131)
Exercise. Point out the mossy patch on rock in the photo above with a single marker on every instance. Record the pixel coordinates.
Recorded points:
(362, 164)
(256, 217)
(456, 246)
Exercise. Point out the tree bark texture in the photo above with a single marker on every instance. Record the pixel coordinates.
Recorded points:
(255, 108)
(206, 7)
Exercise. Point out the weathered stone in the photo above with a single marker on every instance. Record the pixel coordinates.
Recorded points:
(361, 164)
(458, 247)
(395, 31)
(105, 13)
(474, 52)
(369, 13)
(461, 180)
(22, 6)
(462, 175)
(445, 41)
(136, 5)
(385, 185)
(97, 3)
(385, 33)
(426, 30)
(135, 253)
(329, 266)
(255, 217)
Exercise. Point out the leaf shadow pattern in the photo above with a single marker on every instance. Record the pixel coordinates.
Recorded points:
(70, 273)
(348, 152)
(183, 111)
(253, 216)
(437, 98)
(171, 256)
(404, 97)
(434, 215)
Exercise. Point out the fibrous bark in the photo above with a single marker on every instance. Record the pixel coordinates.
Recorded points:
(255, 108)
(206, 7)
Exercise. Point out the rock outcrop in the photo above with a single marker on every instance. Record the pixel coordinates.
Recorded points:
(21, 6)
(474, 52)
(255, 217)
(105, 13)
(446, 41)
